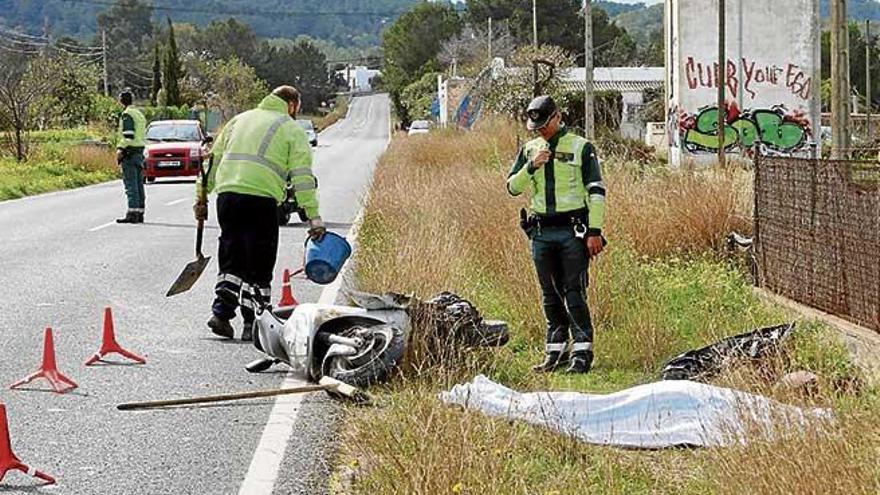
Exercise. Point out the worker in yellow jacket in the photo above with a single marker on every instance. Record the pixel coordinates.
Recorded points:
(257, 154)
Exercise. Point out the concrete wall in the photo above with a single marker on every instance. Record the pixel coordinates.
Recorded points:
(772, 70)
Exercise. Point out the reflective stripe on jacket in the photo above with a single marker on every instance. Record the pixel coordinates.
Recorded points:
(132, 129)
(571, 180)
(260, 151)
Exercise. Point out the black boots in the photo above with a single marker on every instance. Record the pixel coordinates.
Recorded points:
(247, 331)
(552, 361)
(132, 217)
(581, 362)
(578, 362)
(221, 327)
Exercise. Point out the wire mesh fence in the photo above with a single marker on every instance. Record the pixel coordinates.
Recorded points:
(817, 233)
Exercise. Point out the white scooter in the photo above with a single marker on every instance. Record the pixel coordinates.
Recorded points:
(362, 344)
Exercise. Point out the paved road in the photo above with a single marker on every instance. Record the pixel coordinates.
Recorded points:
(61, 263)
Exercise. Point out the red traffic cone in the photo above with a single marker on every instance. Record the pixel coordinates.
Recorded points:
(8, 460)
(109, 344)
(287, 298)
(49, 370)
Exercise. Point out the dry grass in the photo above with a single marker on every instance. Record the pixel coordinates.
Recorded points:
(439, 218)
(92, 158)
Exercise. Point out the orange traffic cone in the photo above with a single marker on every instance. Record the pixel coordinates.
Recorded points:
(49, 369)
(287, 298)
(109, 344)
(8, 460)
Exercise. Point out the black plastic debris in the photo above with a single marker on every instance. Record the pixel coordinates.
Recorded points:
(705, 362)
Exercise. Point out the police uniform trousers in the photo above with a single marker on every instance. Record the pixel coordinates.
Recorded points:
(562, 264)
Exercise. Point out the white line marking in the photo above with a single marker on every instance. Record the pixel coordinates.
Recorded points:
(263, 471)
(176, 201)
(102, 226)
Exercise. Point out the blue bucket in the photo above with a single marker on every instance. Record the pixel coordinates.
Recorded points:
(325, 258)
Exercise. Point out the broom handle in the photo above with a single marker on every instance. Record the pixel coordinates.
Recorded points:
(219, 398)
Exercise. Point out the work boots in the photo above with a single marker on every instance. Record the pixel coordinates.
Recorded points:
(552, 361)
(581, 362)
(221, 327)
(130, 217)
(247, 331)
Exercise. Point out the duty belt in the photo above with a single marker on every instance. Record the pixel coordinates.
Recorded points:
(564, 219)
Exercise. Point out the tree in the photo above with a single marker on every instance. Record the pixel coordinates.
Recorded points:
(469, 50)
(224, 39)
(129, 31)
(411, 45)
(236, 87)
(560, 23)
(857, 44)
(157, 77)
(418, 96)
(511, 93)
(300, 64)
(24, 81)
(173, 71)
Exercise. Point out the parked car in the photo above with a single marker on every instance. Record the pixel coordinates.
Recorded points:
(309, 127)
(419, 127)
(174, 149)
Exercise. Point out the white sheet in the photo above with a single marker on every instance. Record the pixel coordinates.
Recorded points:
(655, 415)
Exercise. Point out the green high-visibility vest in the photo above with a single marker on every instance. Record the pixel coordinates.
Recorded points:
(260, 151)
(570, 181)
(132, 129)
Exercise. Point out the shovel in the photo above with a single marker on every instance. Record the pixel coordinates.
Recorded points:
(193, 270)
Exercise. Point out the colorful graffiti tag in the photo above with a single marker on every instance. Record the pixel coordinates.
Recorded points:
(775, 128)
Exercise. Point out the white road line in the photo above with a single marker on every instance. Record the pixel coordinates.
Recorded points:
(102, 226)
(176, 201)
(263, 471)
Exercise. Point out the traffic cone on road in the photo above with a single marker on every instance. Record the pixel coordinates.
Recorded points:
(8, 459)
(287, 298)
(49, 369)
(109, 344)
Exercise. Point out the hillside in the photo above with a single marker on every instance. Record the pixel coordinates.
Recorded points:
(346, 22)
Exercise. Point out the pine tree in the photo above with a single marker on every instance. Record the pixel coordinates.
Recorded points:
(157, 77)
(173, 70)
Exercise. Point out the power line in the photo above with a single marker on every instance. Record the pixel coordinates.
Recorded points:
(23, 35)
(233, 12)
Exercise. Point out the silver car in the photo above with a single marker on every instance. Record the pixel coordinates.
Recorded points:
(309, 127)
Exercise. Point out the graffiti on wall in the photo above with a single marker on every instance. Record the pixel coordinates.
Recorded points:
(750, 76)
(777, 129)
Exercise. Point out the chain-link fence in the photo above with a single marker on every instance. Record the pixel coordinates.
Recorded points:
(817, 232)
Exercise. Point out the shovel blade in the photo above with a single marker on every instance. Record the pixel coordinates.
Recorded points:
(188, 277)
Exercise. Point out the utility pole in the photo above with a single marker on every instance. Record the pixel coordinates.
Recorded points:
(840, 113)
(490, 39)
(104, 61)
(868, 102)
(722, 81)
(589, 119)
(535, 22)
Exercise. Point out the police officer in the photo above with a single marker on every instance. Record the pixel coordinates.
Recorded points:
(130, 157)
(257, 154)
(561, 172)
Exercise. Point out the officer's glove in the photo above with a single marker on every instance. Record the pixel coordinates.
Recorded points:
(317, 229)
(200, 209)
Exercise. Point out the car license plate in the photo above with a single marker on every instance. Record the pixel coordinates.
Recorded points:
(168, 164)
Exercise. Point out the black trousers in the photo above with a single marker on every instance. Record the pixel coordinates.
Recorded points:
(247, 253)
(561, 262)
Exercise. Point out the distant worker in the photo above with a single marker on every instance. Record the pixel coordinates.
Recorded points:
(130, 157)
(561, 172)
(257, 154)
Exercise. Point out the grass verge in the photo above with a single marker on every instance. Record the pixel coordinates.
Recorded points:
(439, 218)
(57, 161)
